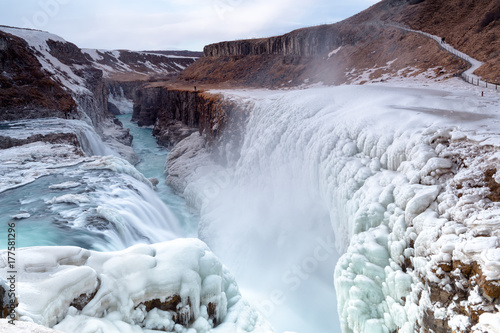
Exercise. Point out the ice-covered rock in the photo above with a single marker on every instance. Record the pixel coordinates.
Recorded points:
(177, 286)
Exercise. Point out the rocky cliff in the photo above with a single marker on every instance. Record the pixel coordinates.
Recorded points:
(332, 54)
(178, 112)
(303, 42)
(45, 76)
(125, 71)
(26, 91)
(364, 48)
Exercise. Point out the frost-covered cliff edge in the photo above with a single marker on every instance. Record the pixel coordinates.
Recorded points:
(177, 286)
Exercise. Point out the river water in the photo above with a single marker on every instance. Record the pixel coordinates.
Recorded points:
(152, 165)
(100, 204)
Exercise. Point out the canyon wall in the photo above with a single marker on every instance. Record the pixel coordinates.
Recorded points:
(42, 76)
(26, 91)
(177, 113)
(303, 42)
(331, 54)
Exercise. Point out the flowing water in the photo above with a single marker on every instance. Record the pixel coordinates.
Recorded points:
(101, 204)
(269, 239)
(152, 165)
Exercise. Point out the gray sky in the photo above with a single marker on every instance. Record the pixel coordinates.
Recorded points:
(171, 24)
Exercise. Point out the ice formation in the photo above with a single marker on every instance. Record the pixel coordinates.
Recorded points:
(176, 286)
(406, 176)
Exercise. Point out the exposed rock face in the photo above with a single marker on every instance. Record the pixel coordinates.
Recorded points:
(127, 71)
(177, 113)
(147, 104)
(304, 42)
(42, 75)
(55, 138)
(332, 54)
(123, 89)
(26, 91)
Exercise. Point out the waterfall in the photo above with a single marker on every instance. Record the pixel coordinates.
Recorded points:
(91, 142)
(324, 169)
(96, 202)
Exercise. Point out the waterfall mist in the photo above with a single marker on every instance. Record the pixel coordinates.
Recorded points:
(264, 216)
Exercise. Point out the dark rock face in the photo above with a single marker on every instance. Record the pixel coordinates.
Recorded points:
(67, 53)
(147, 104)
(176, 114)
(95, 105)
(123, 89)
(55, 138)
(113, 109)
(78, 91)
(158, 102)
(169, 132)
(303, 42)
(26, 91)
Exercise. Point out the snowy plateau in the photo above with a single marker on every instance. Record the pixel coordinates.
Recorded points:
(355, 208)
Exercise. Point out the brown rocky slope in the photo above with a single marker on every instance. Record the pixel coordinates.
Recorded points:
(365, 47)
(25, 87)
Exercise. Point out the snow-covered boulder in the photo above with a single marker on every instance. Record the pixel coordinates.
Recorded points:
(176, 286)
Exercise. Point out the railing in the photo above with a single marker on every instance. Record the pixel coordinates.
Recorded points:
(478, 82)
(467, 75)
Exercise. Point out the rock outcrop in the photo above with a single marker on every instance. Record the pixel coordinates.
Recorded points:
(42, 75)
(26, 91)
(305, 42)
(176, 113)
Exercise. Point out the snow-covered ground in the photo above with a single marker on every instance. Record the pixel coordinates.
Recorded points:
(401, 171)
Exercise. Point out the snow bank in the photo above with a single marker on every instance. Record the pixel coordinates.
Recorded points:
(23, 164)
(24, 327)
(177, 286)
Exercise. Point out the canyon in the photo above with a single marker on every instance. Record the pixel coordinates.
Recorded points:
(361, 131)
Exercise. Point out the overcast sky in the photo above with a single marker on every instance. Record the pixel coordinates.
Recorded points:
(171, 24)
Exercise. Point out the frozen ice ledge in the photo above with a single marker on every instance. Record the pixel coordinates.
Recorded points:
(176, 286)
(408, 177)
